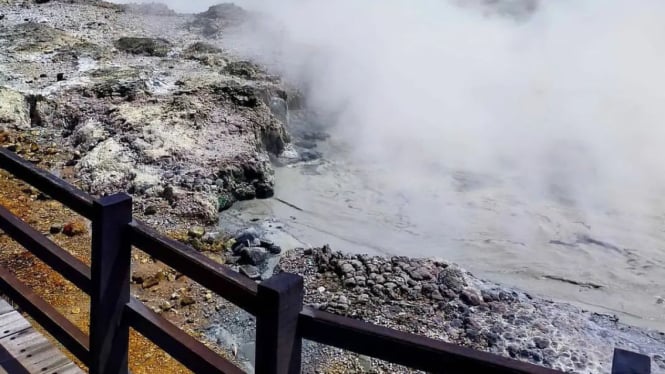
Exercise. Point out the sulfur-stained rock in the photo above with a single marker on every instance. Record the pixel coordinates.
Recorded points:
(143, 46)
(14, 109)
(187, 300)
(74, 228)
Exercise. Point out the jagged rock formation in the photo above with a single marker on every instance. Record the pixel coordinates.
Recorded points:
(178, 123)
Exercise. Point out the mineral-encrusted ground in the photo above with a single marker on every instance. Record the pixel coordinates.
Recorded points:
(142, 102)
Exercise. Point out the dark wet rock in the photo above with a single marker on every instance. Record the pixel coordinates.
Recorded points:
(239, 246)
(436, 296)
(541, 343)
(489, 296)
(346, 268)
(265, 243)
(452, 278)
(253, 255)
(498, 307)
(274, 249)
(506, 296)
(350, 282)
(150, 210)
(249, 180)
(225, 201)
(428, 288)
(247, 238)
(143, 46)
(420, 273)
(470, 297)
(230, 259)
(491, 338)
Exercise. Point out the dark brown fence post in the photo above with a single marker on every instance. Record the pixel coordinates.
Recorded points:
(627, 362)
(278, 344)
(111, 251)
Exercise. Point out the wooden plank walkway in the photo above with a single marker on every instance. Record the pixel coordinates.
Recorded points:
(24, 350)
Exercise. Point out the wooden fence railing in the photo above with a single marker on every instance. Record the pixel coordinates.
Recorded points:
(282, 321)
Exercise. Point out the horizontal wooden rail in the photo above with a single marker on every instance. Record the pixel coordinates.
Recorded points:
(50, 319)
(184, 348)
(70, 196)
(73, 269)
(218, 278)
(415, 351)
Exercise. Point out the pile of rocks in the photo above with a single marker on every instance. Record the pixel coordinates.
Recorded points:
(400, 278)
(440, 300)
(249, 254)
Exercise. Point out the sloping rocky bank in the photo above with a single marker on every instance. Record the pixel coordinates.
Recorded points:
(439, 300)
(141, 99)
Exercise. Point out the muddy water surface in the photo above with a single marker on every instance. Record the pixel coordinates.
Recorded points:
(609, 261)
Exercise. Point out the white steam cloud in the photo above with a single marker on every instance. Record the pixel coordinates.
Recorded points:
(494, 133)
(560, 98)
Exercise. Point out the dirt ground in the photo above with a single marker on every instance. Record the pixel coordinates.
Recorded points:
(175, 297)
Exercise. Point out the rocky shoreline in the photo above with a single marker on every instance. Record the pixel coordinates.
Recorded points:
(438, 299)
(178, 123)
(141, 99)
(442, 301)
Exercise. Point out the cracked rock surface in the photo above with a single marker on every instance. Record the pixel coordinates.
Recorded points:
(177, 122)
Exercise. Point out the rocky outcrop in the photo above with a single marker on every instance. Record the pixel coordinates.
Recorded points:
(180, 124)
(206, 54)
(14, 109)
(144, 46)
(155, 9)
(31, 37)
(217, 18)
